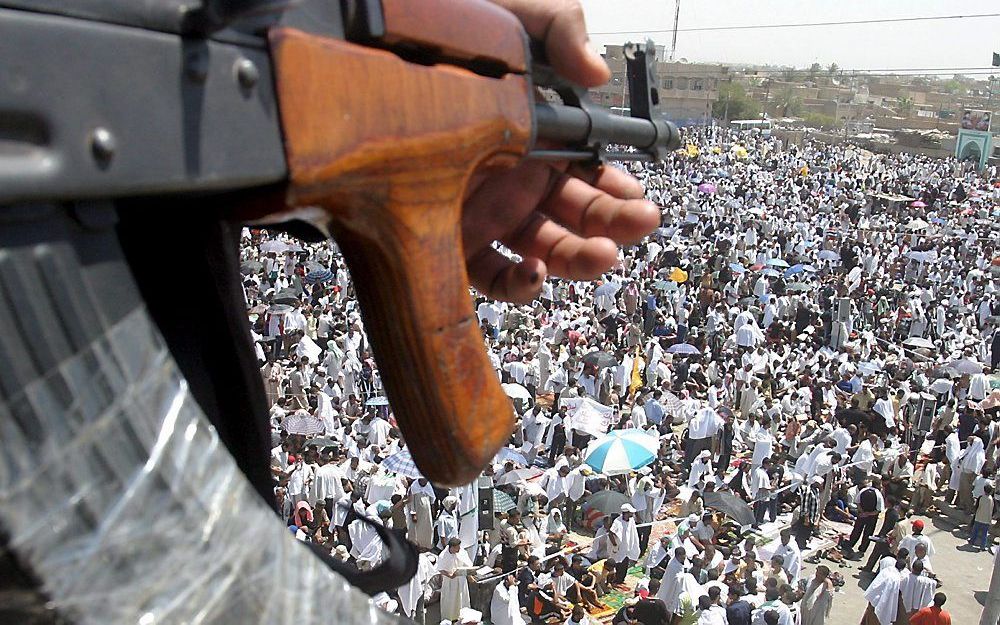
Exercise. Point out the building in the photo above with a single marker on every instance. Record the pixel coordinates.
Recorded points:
(687, 90)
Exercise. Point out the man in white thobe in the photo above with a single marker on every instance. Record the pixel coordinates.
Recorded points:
(884, 601)
(624, 539)
(789, 550)
(419, 521)
(917, 589)
(504, 607)
(454, 565)
(670, 586)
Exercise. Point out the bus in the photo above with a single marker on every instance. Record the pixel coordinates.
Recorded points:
(762, 125)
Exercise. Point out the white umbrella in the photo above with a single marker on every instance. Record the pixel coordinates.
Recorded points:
(917, 224)
(519, 475)
(608, 288)
(828, 255)
(966, 366)
(516, 391)
(274, 245)
(919, 341)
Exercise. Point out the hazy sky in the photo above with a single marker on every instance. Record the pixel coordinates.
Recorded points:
(929, 44)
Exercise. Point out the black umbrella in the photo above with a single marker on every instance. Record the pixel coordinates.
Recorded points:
(286, 296)
(730, 505)
(600, 360)
(251, 267)
(322, 442)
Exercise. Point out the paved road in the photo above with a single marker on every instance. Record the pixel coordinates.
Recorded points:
(964, 573)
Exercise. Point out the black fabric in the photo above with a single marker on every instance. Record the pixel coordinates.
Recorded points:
(208, 333)
(205, 324)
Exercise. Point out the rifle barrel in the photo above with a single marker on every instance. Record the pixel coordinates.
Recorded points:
(580, 128)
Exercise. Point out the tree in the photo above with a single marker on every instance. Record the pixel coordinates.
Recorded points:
(955, 86)
(905, 106)
(788, 74)
(814, 70)
(734, 103)
(819, 120)
(832, 69)
(788, 101)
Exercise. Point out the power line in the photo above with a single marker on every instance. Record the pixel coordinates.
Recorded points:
(802, 24)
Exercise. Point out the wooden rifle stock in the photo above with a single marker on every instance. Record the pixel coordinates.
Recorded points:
(385, 149)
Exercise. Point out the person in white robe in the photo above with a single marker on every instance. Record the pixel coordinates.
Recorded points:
(411, 592)
(917, 589)
(447, 521)
(816, 603)
(504, 607)
(455, 567)
(468, 519)
(419, 520)
(789, 551)
(671, 584)
(624, 539)
(884, 600)
(700, 468)
(366, 546)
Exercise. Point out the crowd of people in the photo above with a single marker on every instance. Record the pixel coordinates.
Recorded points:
(808, 342)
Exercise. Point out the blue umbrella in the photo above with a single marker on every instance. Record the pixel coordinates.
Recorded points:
(401, 463)
(810, 268)
(777, 262)
(737, 268)
(794, 269)
(771, 273)
(621, 451)
(318, 275)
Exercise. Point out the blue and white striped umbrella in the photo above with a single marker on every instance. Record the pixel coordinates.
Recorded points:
(401, 463)
(621, 451)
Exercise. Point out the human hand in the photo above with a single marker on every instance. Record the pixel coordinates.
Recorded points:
(561, 219)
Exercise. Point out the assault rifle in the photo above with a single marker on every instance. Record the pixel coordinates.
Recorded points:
(136, 138)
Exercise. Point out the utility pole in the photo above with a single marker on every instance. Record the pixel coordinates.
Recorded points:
(677, 19)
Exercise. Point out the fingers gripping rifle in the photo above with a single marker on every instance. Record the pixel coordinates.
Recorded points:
(363, 119)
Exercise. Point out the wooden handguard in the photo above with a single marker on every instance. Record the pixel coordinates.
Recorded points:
(386, 148)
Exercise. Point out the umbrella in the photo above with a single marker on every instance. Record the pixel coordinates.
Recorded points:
(707, 187)
(798, 286)
(600, 360)
(322, 442)
(794, 269)
(608, 288)
(606, 502)
(917, 224)
(924, 256)
(672, 403)
(402, 463)
(777, 262)
(378, 401)
(810, 268)
(828, 255)
(771, 273)
(966, 366)
(869, 368)
(302, 422)
(678, 275)
(279, 309)
(737, 268)
(518, 475)
(757, 266)
(918, 341)
(502, 502)
(621, 451)
(286, 296)
(730, 505)
(275, 246)
(506, 453)
(318, 275)
(251, 267)
(516, 391)
(683, 348)
(918, 204)
(662, 284)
